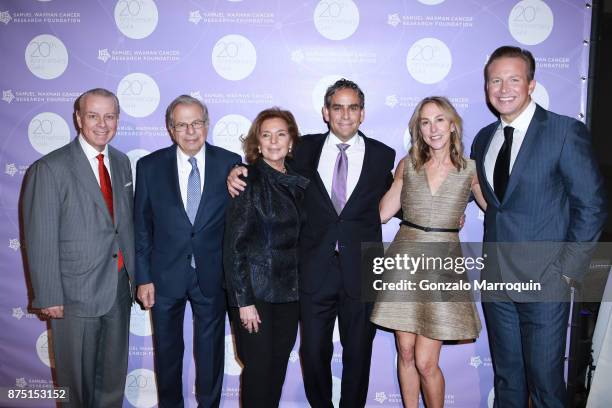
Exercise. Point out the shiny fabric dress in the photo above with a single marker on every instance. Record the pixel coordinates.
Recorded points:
(442, 315)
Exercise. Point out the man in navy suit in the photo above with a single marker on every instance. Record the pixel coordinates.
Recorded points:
(330, 244)
(179, 215)
(542, 183)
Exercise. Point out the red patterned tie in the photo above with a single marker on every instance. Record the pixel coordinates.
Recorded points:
(107, 192)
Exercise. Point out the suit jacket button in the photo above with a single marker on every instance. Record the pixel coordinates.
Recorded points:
(188, 257)
(114, 255)
(192, 234)
(116, 232)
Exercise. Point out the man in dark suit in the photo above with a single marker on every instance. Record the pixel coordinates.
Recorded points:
(77, 215)
(541, 182)
(349, 173)
(179, 221)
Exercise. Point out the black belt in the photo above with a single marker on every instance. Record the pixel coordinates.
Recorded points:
(428, 229)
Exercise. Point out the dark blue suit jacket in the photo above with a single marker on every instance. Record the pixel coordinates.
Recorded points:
(165, 238)
(555, 193)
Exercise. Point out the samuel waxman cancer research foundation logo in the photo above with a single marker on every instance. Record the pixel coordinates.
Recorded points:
(393, 20)
(195, 17)
(380, 397)
(475, 361)
(7, 95)
(14, 244)
(5, 17)
(391, 101)
(104, 55)
(22, 312)
(10, 169)
(18, 313)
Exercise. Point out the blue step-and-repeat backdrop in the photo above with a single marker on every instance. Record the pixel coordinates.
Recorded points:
(239, 57)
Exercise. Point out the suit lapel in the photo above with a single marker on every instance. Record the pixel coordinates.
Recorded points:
(482, 173)
(366, 162)
(318, 182)
(210, 164)
(170, 172)
(83, 173)
(524, 153)
(117, 178)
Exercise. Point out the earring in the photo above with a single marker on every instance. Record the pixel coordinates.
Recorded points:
(290, 148)
(259, 149)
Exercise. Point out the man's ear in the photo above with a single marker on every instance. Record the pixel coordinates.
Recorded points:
(77, 116)
(532, 85)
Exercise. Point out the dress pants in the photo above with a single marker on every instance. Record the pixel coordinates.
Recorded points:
(208, 345)
(265, 354)
(527, 342)
(318, 312)
(91, 353)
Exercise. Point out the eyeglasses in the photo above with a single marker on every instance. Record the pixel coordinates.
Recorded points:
(196, 124)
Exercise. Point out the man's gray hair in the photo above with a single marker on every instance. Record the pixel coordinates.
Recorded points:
(184, 100)
(343, 84)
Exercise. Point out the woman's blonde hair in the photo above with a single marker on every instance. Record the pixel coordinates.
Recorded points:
(419, 151)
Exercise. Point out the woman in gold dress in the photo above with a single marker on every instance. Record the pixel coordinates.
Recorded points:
(432, 186)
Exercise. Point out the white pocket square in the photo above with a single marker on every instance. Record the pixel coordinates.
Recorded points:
(128, 184)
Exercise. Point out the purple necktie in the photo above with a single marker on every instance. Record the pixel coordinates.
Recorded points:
(338, 195)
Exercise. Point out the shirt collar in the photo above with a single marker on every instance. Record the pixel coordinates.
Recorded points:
(89, 150)
(333, 139)
(184, 159)
(522, 121)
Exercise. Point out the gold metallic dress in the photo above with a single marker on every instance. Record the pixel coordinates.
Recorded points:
(442, 315)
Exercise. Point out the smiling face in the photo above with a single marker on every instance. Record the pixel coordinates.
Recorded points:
(97, 119)
(435, 127)
(344, 114)
(189, 139)
(508, 87)
(274, 142)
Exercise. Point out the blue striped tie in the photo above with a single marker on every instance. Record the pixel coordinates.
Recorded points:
(193, 195)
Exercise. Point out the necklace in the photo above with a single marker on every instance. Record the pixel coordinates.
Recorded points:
(283, 169)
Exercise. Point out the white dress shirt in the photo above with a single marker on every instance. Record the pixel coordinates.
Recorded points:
(520, 125)
(327, 162)
(184, 168)
(92, 158)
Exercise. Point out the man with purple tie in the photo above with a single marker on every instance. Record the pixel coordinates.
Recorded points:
(349, 173)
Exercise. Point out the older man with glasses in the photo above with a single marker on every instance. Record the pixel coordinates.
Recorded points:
(179, 222)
